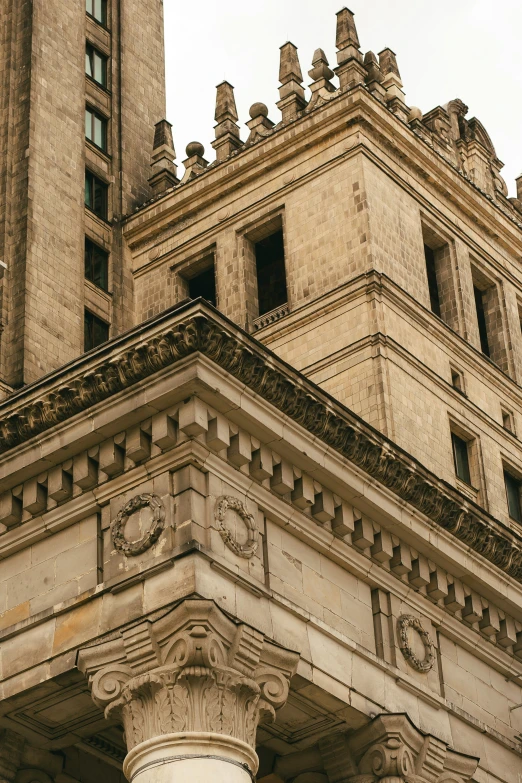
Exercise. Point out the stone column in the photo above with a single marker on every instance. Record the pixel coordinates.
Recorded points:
(190, 690)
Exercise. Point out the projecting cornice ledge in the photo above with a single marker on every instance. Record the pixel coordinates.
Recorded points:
(198, 328)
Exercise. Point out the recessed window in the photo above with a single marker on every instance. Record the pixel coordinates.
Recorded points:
(461, 458)
(96, 331)
(433, 286)
(513, 496)
(96, 128)
(270, 271)
(508, 421)
(97, 9)
(481, 318)
(96, 195)
(457, 381)
(204, 285)
(96, 265)
(96, 65)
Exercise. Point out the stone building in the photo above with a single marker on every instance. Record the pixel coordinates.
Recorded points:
(260, 476)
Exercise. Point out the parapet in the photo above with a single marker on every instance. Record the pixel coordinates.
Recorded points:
(463, 143)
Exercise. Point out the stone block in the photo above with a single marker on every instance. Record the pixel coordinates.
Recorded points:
(137, 444)
(112, 457)
(419, 575)
(401, 561)
(218, 435)
(34, 497)
(164, 431)
(343, 522)
(303, 493)
(472, 611)
(507, 634)
(261, 466)
(438, 585)
(85, 471)
(382, 548)
(456, 599)
(189, 477)
(59, 483)
(193, 417)
(240, 450)
(10, 509)
(363, 535)
(323, 509)
(282, 481)
(490, 622)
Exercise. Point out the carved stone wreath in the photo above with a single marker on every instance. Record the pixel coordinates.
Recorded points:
(249, 549)
(409, 621)
(133, 548)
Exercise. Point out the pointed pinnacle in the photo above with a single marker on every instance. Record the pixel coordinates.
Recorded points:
(225, 103)
(289, 67)
(388, 62)
(320, 68)
(346, 30)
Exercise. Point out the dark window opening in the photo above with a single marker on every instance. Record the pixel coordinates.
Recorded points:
(96, 265)
(96, 65)
(456, 381)
(481, 317)
(96, 195)
(96, 331)
(271, 275)
(96, 128)
(507, 421)
(97, 9)
(461, 458)
(432, 280)
(204, 285)
(513, 496)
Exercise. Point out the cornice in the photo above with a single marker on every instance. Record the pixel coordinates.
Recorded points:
(349, 108)
(198, 328)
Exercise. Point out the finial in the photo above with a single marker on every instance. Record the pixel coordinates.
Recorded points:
(164, 169)
(393, 84)
(292, 99)
(259, 124)
(226, 130)
(374, 76)
(346, 34)
(321, 87)
(350, 69)
(195, 163)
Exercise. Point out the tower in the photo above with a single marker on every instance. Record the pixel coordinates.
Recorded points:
(81, 84)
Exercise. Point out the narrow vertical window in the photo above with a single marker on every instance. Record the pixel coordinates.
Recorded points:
(461, 458)
(204, 285)
(96, 128)
(433, 286)
(513, 496)
(96, 331)
(270, 271)
(96, 195)
(481, 318)
(96, 65)
(96, 265)
(97, 9)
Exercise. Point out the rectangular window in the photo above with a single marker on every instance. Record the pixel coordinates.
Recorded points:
(513, 496)
(96, 265)
(96, 65)
(97, 9)
(96, 128)
(433, 286)
(96, 331)
(481, 318)
(461, 458)
(204, 285)
(96, 195)
(270, 271)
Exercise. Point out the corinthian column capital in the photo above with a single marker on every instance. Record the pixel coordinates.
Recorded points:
(192, 680)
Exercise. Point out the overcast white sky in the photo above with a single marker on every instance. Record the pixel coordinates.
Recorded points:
(468, 49)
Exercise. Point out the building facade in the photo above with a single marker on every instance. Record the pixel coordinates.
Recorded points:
(260, 475)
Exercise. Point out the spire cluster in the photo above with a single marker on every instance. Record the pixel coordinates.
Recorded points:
(444, 128)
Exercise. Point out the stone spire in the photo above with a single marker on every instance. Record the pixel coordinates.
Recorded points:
(292, 98)
(393, 84)
(321, 88)
(350, 69)
(164, 169)
(227, 130)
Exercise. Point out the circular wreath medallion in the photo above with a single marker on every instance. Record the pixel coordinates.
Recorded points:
(133, 548)
(249, 549)
(409, 621)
